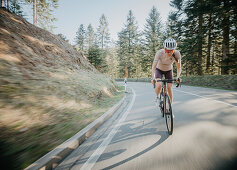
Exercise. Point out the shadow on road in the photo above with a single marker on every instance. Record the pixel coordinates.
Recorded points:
(126, 132)
(163, 135)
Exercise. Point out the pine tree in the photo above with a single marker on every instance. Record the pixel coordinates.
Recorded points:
(175, 21)
(189, 32)
(90, 38)
(209, 35)
(44, 10)
(153, 39)
(80, 38)
(95, 57)
(226, 7)
(15, 6)
(129, 47)
(103, 32)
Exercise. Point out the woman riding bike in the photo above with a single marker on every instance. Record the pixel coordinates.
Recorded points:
(163, 65)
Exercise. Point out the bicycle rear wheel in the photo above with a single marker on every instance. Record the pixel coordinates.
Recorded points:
(168, 115)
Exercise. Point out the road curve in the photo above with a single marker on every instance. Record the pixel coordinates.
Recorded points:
(135, 137)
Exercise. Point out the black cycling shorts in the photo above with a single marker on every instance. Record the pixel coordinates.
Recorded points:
(168, 74)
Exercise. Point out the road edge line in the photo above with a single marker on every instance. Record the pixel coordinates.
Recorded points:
(207, 98)
(97, 153)
(52, 158)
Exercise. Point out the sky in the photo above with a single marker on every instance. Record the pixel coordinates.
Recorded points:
(71, 14)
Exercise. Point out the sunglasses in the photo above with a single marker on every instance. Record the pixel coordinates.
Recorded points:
(169, 51)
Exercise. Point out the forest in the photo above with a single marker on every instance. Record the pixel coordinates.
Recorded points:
(205, 31)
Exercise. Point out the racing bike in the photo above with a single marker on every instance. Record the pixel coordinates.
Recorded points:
(165, 103)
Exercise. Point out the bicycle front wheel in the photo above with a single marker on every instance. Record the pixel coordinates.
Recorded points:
(162, 102)
(168, 115)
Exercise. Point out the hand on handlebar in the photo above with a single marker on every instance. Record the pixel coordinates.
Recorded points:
(152, 81)
(178, 81)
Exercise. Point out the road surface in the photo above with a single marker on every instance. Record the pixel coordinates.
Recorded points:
(135, 137)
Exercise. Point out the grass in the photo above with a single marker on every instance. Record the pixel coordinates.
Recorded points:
(40, 112)
(39, 139)
(228, 82)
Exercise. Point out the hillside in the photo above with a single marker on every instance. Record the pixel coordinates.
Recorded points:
(48, 91)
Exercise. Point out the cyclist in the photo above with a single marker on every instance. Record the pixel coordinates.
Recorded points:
(163, 65)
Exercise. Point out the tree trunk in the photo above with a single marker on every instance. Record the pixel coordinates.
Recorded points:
(35, 13)
(234, 6)
(226, 39)
(209, 44)
(125, 71)
(136, 69)
(213, 57)
(235, 47)
(186, 68)
(200, 41)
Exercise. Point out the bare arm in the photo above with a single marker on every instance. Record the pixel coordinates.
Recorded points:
(178, 64)
(154, 65)
(153, 69)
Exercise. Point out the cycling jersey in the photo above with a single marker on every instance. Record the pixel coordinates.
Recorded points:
(164, 62)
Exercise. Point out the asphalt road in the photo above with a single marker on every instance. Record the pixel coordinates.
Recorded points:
(135, 137)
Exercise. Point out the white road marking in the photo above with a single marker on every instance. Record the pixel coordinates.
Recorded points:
(206, 98)
(95, 156)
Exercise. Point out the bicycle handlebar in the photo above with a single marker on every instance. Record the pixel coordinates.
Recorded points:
(168, 80)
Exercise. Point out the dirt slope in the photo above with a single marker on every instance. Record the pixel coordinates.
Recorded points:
(48, 91)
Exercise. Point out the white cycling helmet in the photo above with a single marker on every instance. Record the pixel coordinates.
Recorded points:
(170, 44)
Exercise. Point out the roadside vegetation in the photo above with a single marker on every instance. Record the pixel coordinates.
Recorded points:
(38, 115)
(227, 82)
(48, 91)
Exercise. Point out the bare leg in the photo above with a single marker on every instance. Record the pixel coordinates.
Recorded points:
(158, 88)
(170, 93)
